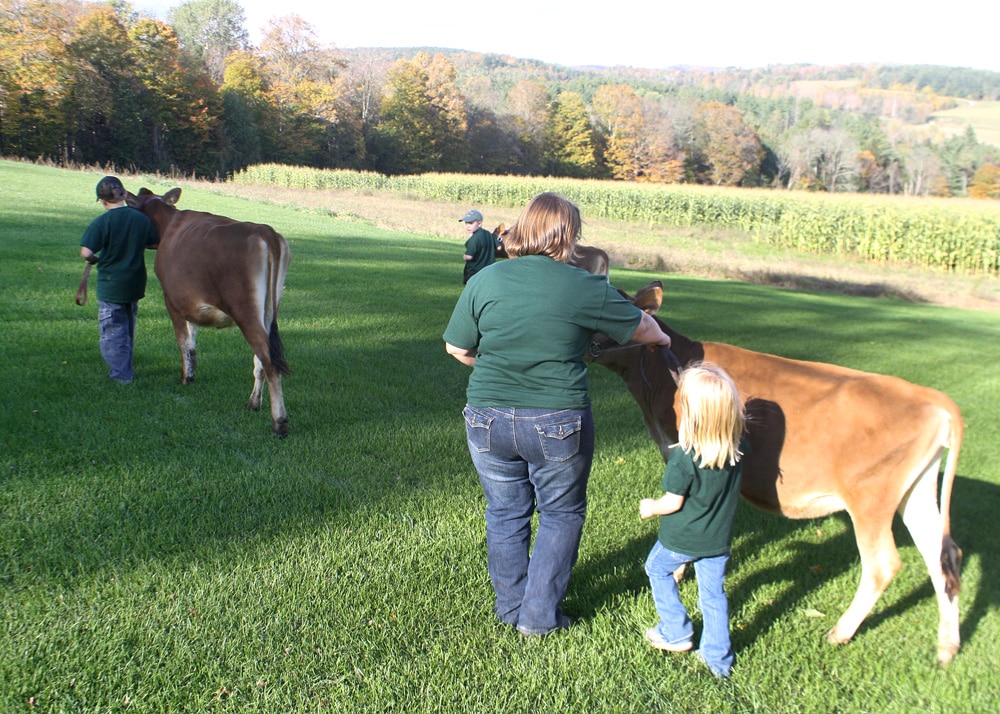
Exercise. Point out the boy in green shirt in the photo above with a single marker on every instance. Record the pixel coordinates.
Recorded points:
(116, 242)
(480, 248)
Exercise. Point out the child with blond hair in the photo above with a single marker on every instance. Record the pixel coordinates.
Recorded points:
(701, 486)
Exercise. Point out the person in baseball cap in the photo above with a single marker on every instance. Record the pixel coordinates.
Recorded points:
(110, 189)
(116, 242)
(481, 246)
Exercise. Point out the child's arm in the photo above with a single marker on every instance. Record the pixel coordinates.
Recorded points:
(664, 505)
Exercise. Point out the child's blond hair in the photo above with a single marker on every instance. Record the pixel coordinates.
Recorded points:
(711, 416)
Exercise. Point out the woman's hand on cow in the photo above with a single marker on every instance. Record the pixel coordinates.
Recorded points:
(649, 332)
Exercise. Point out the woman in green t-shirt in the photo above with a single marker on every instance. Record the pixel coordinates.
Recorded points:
(523, 326)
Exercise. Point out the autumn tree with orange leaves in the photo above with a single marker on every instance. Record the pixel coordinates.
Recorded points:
(639, 143)
(727, 148)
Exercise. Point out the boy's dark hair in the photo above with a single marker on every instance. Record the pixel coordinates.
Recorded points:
(110, 189)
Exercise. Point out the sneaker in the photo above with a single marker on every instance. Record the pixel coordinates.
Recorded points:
(654, 638)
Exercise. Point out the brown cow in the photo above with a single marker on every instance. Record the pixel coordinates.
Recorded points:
(217, 272)
(590, 258)
(825, 439)
(498, 234)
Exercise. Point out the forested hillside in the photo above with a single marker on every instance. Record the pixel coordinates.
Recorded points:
(97, 83)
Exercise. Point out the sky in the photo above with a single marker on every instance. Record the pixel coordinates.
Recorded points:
(653, 34)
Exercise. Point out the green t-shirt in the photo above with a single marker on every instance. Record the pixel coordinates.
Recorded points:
(119, 237)
(531, 319)
(703, 527)
(482, 246)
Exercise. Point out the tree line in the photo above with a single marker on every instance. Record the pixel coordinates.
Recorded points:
(98, 83)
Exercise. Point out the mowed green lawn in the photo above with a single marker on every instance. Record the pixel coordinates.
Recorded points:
(160, 551)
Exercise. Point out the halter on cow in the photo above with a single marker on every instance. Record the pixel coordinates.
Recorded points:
(217, 272)
(824, 439)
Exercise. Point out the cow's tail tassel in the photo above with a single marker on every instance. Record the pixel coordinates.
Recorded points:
(277, 350)
(951, 566)
(951, 554)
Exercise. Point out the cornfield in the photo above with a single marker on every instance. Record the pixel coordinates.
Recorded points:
(957, 235)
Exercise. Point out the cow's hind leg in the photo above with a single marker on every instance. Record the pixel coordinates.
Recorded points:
(185, 333)
(258, 384)
(264, 368)
(923, 519)
(279, 417)
(879, 564)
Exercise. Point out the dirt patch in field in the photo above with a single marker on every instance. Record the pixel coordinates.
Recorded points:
(704, 252)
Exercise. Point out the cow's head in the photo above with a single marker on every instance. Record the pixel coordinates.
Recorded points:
(498, 235)
(649, 376)
(602, 348)
(143, 198)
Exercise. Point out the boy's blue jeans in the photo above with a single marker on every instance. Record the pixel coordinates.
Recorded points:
(117, 321)
(675, 625)
(528, 460)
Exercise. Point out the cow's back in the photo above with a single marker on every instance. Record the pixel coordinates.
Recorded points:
(820, 433)
(204, 259)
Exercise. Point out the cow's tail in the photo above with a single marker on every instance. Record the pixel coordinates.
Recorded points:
(951, 554)
(277, 349)
(278, 257)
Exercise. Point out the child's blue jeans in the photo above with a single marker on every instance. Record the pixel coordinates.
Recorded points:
(675, 625)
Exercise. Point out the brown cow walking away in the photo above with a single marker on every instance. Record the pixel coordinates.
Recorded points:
(825, 439)
(218, 272)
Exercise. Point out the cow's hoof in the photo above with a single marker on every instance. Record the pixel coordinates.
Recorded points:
(834, 639)
(946, 654)
(253, 406)
(280, 429)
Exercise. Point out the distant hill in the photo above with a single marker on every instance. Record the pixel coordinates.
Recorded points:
(941, 100)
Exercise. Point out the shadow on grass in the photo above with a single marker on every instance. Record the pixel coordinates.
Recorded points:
(828, 285)
(598, 582)
(973, 504)
(755, 531)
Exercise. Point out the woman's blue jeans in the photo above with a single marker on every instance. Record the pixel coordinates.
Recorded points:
(117, 321)
(532, 460)
(675, 625)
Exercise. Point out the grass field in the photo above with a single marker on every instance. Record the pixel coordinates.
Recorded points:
(161, 552)
(983, 117)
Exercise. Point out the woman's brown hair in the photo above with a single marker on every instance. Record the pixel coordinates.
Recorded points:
(548, 225)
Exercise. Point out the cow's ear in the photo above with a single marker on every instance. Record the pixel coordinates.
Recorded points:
(650, 298)
(171, 196)
(499, 230)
